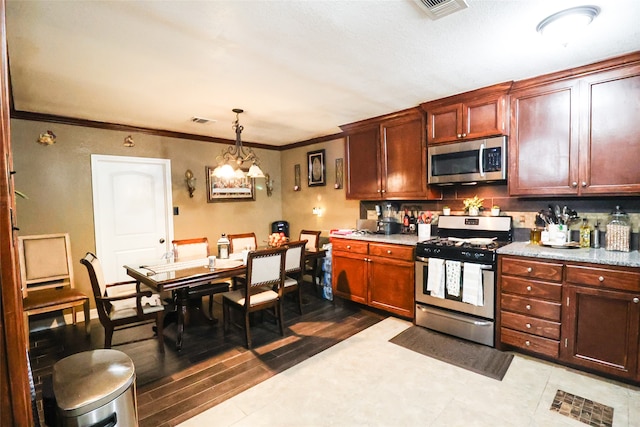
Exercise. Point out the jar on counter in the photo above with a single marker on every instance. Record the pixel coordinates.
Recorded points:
(618, 235)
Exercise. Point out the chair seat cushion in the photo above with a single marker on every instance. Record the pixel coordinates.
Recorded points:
(290, 282)
(153, 300)
(52, 297)
(265, 295)
(133, 312)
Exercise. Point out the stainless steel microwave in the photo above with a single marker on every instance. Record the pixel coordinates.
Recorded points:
(480, 160)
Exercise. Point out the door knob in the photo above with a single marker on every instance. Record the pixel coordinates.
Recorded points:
(161, 240)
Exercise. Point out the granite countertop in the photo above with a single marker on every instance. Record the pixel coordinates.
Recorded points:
(397, 239)
(595, 256)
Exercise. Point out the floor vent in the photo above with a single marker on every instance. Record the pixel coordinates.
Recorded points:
(436, 9)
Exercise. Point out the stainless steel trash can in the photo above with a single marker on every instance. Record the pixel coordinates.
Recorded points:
(96, 388)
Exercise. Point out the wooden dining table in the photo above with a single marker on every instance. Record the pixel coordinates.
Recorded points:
(180, 275)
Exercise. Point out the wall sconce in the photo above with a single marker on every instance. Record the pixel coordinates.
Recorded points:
(317, 211)
(339, 174)
(268, 182)
(191, 182)
(47, 138)
(128, 142)
(296, 177)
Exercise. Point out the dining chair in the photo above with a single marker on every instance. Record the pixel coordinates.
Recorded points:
(47, 277)
(294, 268)
(313, 243)
(239, 242)
(191, 248)
(261, 291)
(123, 305)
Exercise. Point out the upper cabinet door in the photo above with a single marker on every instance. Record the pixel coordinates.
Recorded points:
(486, 117)
(543, 147)
(610, 139)
(404, 159)
(363, 164)
(444, 123)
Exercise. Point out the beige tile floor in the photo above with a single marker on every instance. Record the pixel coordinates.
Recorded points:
(368, 381)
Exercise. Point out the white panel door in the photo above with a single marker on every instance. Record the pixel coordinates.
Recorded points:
(132, 209)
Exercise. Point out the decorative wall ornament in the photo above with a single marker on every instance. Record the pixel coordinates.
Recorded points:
(239, 187)
(316, 168)
(128, 141)
(47, 138)
(268, 182)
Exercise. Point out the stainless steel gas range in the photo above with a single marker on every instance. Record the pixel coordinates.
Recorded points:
(456, 276)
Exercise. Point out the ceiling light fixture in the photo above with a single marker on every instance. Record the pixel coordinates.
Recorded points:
(566, 24)
(232, 159)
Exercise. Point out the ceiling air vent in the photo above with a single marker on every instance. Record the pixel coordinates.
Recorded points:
(201, 120)
(436, 9)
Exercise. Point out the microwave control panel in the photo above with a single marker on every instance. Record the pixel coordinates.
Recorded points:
(492, 159)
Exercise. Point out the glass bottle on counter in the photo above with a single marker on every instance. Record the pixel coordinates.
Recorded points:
(618, 234)
(596, 235)
(223, 247)
(585, 234)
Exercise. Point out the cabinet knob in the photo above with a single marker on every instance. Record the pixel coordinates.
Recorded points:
(601, 279)
(389, 251)
(636, 300)
(584, 184)
(528, 325)
(528, 307)
(349, 247)
(464, 135)
(459, 135)
(527, 343)
(574, 184)
(383, 191)
(529, 270)
(529, 288)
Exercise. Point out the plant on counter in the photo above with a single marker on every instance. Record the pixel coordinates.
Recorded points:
(472, 203)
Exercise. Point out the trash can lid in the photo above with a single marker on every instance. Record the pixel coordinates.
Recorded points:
(88, 380)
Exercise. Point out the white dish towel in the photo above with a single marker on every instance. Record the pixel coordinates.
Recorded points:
(472, 290)
(452, 269)
(435, 281)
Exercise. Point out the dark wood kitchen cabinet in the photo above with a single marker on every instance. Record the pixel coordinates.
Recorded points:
(530, 304)
(471, 115)
(386, 158)
(379, 275)
(581, 314)
(580, 127)
(601, 319)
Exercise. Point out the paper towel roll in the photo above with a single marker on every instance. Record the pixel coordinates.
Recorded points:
(424, 232)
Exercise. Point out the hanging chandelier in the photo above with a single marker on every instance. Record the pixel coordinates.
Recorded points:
(231, 160)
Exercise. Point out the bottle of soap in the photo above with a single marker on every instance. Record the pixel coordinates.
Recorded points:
(585, 234)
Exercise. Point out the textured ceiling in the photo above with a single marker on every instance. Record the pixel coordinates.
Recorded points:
(299, 69)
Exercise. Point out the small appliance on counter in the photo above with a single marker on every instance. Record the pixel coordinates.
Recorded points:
(280, 227)
(389, 223)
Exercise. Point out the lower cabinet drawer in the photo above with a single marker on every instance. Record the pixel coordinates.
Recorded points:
(529, 342)
(531, 306)
(530, 325)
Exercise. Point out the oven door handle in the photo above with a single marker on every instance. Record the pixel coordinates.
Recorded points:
(482, 266)
(460, 318)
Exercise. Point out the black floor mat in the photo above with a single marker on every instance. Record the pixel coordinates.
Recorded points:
(464, 354)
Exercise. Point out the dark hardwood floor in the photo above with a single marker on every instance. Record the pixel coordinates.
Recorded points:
(211, 367)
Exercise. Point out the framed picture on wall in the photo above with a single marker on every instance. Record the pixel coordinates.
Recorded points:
(316, 168)
(235, 189)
